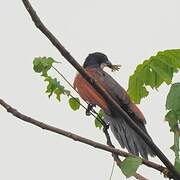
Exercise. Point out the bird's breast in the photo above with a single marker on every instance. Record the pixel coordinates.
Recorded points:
(87, 92)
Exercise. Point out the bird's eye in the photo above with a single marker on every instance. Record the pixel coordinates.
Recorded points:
(103, 65)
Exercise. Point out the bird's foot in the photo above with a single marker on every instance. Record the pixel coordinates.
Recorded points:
(105, 126)
(89, 109)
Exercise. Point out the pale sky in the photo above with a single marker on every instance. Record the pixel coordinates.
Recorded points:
(128, 32)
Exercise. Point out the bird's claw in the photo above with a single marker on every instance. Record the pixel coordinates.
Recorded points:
(105, 127)
(89, 109)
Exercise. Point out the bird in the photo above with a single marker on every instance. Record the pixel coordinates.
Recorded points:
(94, 65)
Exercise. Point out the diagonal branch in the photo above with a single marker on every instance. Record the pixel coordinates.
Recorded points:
(105, 95)
(78, 138)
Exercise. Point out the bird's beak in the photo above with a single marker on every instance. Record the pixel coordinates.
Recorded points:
(109, 64)
(113, 67)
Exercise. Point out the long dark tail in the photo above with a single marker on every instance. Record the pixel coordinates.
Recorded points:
(128, 138)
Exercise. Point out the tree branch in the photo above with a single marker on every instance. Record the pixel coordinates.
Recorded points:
(78, 138)
(105, 95)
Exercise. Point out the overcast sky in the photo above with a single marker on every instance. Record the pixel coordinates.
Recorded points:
(127, 31)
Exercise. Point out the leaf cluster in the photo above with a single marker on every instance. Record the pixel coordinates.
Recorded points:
(153, 72)
(43, 65)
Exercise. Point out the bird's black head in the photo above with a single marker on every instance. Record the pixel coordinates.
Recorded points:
(97, 60)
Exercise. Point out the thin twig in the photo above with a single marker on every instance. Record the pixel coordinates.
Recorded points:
(112, 170)
(104, 94)
(75, 137)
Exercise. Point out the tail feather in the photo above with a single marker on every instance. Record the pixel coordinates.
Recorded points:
(128, 138)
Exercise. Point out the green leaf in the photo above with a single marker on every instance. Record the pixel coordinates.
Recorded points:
(175, 146)
(130, 165)
(52, 85)
(99, 118)
(177, 164)
(172, 120)
(153, 72)
(176, 143)
(58, 93)
(42, 65)
(160, 71)
(173, 98)
(74, 103)
(55, 87)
